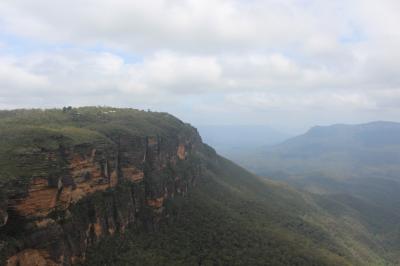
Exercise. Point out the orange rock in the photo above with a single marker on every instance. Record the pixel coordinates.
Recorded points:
(40, 201)
(44, 223)
(113, 179)
(79, 166)
(97, 228)
(181, 152)
(156, 203)
(152, 140)
(132, 174)
(31, 257)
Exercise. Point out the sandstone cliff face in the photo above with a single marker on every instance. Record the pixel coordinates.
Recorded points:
(96, 190)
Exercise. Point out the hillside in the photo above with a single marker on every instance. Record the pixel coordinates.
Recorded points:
(357, 166)
(107, 186)
(234, 218)
(342, 151)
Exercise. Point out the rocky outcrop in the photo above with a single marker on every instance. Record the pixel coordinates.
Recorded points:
(97, 190)
(31, 257)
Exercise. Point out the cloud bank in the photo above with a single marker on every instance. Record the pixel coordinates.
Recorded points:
(286, 62)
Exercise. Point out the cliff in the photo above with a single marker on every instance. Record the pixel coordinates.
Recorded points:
(107, 186)
(71, 177)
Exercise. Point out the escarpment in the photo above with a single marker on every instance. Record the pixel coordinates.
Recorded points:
(72, 194)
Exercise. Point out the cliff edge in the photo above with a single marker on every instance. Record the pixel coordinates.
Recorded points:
(70, 177)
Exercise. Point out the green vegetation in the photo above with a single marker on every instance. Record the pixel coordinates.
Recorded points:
(24, 133)
(339, 151)
(235, 218)
(354, 171)
(230, 217)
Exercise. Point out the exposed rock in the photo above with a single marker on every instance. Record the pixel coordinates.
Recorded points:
(100, 191)
(133, 174)
(181, 152)
(30, 257)
(156, 203)
(40, 201)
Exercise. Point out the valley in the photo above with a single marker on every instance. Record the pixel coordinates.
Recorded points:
(107, 186)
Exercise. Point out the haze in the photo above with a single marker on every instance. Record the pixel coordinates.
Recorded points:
(286, 64)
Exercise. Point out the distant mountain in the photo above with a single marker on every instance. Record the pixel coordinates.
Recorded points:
(233, 140)
(357, 166)
(340, 151)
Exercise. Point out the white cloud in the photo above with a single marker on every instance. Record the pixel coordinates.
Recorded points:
(14, 77)
(178, 74)
(193, 25)
(240, 56)
(297, 102)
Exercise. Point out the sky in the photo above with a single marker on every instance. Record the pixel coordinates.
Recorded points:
(289, 64)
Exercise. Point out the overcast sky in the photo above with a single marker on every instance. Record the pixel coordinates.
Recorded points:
(289, 64)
